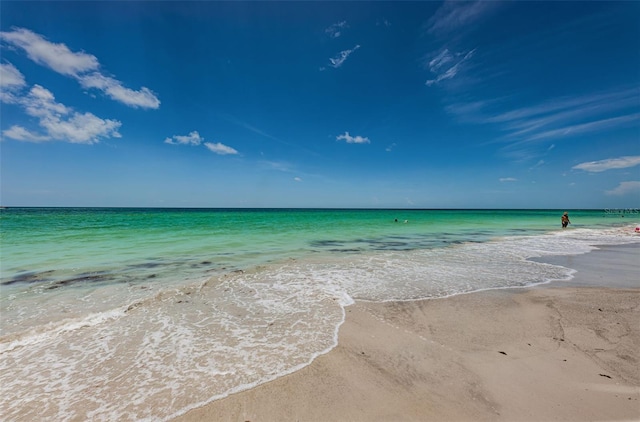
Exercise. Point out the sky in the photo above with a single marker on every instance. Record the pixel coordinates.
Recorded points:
(470, 104)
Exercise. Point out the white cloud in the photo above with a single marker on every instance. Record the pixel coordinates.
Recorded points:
(352, 139)
(340, 58)
(192, 138)
(81, 128)
(55, 56)
(79, 65)
(447, 65)
(19, 133)
(40, 102)
(508, 179)
(608, 164)
(391, 147)
(195, 139)
(11, 83)
(297, 179)
(220, 149)
(334, 31)
(144, 98)
(10, 78)
(60, 122)
(625, 188)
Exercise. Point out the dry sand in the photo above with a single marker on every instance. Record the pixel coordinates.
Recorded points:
(552, 353)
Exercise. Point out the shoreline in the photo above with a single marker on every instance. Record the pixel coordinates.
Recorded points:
(563, 351)
(621, 271)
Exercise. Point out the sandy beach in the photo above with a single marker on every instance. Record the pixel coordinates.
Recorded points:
(565, 351)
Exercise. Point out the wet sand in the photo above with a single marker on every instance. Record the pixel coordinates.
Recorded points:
(565, 351)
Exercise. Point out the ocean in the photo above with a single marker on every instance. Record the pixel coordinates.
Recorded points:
(143, 314)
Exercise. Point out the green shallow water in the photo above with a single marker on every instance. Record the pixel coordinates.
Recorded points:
(37, 239)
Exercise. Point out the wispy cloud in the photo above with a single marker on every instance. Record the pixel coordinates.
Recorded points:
(297, 179)
(482, 88)
(263, 133)
(559, 111)
(508, 179)
(254, 129)
(220, 149)
(340, 58)
(192, 138)
(81, 66)
(282, 166)
(352, 139)
(531, 131)
(609, 164)
(571, 130)
(452, 22)
(446, 65)
(625, 188)
(335, 30)
(540, 163)
(453, 15)
(60, 122)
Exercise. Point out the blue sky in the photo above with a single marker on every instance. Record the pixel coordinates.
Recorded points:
(327, 104)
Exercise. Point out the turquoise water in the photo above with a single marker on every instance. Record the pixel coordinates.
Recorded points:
(184, 306)
(59, 244)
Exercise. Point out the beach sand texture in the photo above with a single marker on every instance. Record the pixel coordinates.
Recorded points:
(551, 353)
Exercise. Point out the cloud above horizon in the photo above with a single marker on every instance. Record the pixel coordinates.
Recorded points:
(352, 139)
(193, 138)
(144, 98)
(79, 65)
(220, 149)
(609, 164)
(534, 130)
(625, 188)
(10, 78)
(478, 77)
(60, 122)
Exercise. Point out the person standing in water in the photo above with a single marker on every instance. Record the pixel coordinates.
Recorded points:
(565, 220)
